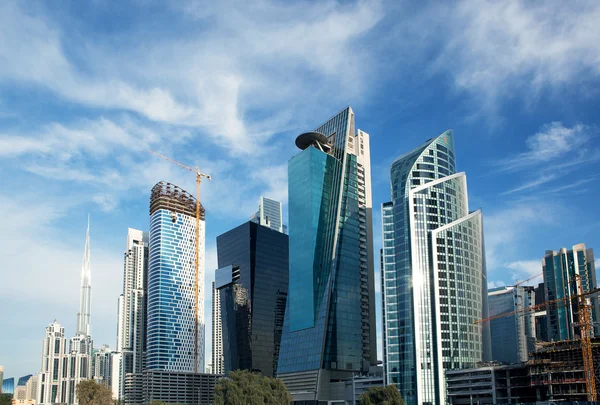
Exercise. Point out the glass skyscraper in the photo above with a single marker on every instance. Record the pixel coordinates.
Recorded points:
(513, 336)
(560, 281)
(252, 283)
(269, 214)
(329, 328)
(434, 283)
(171, 324)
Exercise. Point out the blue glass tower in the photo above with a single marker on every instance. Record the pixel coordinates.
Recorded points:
(329, 327)
(562, 270)
(171, 321)
(434, 283)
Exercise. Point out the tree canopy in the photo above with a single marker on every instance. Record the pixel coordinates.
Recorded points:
(245, 388)
(89, 392)
(5, 399)
(388, 395)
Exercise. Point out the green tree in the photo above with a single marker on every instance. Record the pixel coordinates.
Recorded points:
(245, 388)
(5, 399)
(388, 395)
(91, 393)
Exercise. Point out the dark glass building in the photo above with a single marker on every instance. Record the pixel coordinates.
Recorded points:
(329, 328)
(252, 280)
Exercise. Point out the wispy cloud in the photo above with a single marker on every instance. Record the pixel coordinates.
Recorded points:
(525, 268)
(203, 80)
(552, 153)
(498, 47)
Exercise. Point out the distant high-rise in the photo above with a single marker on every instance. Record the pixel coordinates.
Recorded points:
(131, 330)
(174, 315)
(54, 360)
(434, 284)
(8, 386)
(269, 214)
(102, 366)
(1, 377)
(513, 337)
(252, 283)
(329, 328)
(560, 281)
(85, 303)
(217, 336)
(79, 357)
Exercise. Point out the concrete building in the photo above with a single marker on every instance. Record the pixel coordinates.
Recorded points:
(269, 214)
(434, 284)
(329, 327)
(173, 388)
(217, 366)
(513, 336)
(560, 280)
(252, 280)
(132, 309)
(1, 377)
(490, 384)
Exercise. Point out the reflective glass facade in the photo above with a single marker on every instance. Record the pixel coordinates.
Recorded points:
(560, 270)
(513, 337)
(171, 321)
(330, 322)
(253, 286)
(434, 279)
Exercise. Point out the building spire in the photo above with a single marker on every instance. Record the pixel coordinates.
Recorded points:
(85, 303)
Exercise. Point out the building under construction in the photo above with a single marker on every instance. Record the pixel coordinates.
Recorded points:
(554, 373)
(557, 371)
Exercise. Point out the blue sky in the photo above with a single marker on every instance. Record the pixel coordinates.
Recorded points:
(86, 88)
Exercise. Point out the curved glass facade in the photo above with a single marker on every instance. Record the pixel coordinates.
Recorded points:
(328, 323)
(433, 279)
(171, 291)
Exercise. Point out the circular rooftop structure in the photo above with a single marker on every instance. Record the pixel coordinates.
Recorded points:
(307, 139)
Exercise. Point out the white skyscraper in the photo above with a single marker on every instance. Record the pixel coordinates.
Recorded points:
(79, 357)
(62, 370)
(54, 359)
(217, 333)
(85, 304)
(131, 329)
(269, 214)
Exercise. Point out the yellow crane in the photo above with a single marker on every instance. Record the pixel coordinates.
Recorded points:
(199, 175)
(584, 323)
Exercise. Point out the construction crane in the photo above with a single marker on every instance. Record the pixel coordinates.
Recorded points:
(199, 176)
(529, 279)
(585, 328)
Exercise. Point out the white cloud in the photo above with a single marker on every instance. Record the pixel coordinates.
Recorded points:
(553, 141)
(506, 229)
(552, 153)
(207, 80)
(497, 47)
(525, 268)
(495, 284)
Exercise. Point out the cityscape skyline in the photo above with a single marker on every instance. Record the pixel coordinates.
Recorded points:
(70, 134)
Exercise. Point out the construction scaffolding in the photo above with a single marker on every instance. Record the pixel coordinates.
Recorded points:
(557, 370)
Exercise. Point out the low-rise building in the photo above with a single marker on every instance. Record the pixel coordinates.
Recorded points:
(490, 384)
(170, 387)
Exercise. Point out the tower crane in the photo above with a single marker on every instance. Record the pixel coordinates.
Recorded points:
(199, 176)
(529, 279)
(585, 329)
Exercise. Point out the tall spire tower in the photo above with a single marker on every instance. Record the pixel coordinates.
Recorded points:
(85, 303)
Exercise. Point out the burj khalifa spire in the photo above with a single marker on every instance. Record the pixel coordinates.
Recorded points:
(85, 305)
